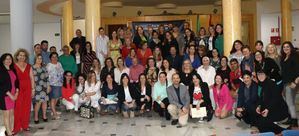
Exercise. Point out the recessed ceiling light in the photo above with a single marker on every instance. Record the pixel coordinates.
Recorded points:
(114, 4)
(166, 6)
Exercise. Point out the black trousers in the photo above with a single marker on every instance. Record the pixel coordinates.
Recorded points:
(162, 112)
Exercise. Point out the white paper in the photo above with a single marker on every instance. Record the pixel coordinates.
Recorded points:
(108, 101)
(202, 112)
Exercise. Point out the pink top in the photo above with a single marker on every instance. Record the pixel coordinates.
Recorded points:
(223, 98)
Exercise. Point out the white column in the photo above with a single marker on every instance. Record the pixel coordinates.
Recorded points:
(21, 26)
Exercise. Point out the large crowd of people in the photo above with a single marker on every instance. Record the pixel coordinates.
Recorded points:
(169, 72)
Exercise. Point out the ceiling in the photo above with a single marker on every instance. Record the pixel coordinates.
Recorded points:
(145, 3)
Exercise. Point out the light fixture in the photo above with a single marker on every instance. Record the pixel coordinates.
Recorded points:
(166, 6)
(113, 4)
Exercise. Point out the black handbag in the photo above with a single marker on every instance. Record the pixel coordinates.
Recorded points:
(87, 111)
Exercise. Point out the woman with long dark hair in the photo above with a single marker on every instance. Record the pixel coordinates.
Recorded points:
(109, 93)
(290, 63)
(145, 91)
(219, 44)
(108, 68)
(68, 90)
(88, 56)
(236, 51)
(167, 43)
(192, 56)
(139, 37)
(9, 91)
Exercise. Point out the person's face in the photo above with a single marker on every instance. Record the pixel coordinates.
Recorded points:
(125, 80)
(219, 29)
(200, 52)
(246, 52)
(44, 46)
(206, 61)
(223, 62)
(191, 50)
(38, 49)
(88, 47)
(151, 63)
(155, 36)
(135, 61)
(8, 61)
(247, 79)
(120, 62)
(162, 78)
(168, 36)
(53, 50)
(68, 76)
(258, 56)
(271, 49)
(150, 29)
(286, 49)
(102, 32)
(215, 53)
(211, 30)
(78, 33)
(144, 46)
(109, 63)
(39, 60)
(66, 51)
(261, 76)
(128, 42)
(186, 25)
(259, 47)
(77, 46)
(161, 29)
(81, 80)
(238, 46)
(93, 77)
(166, 64)
(121, 32)
(157, 50)
(187, 64)
(132, 53)
(234, 65)
(140, 30)
(54, 58)
(172, 51)
(201, 32)
(142, 79)
(21, 57)
(175, 29)
(109, 79)
(218, 80)
(195, 80)
(114, 34)
(176, 79)
(188, 33)
(95, 62)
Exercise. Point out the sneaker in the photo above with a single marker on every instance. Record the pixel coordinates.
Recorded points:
(174, 122)
(201, 120)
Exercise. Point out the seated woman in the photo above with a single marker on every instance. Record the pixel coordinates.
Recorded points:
(68, 90)
(109, 95)
(272, 107)
(200, 96)
(127, 96)
(78, 96)
(166, 67)
(145, 91)
(193, 57)
(92, 91)
(143, 53)
(223, 99)
(151, 71)
(160, 99)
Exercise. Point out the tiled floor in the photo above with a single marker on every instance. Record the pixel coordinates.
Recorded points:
(148, 125)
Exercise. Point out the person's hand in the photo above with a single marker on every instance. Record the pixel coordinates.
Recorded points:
(158, 98)
(292, 85)
(265, 113)
(239, 114)
(162, 105)
(258, 110)
(239, 109)
(142, 99)
(33, 93)
(297, 80)
(48, 89)
(185, 110)
(148, 98)
(197, 106)
(225, 80)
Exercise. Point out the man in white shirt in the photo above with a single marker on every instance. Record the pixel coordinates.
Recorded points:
(207, 74)
(102, 46)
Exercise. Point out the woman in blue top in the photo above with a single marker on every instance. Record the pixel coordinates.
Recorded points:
(193, 57)
(109, 95)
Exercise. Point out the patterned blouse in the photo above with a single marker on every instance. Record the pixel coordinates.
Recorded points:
(41, 83)
(55, 72)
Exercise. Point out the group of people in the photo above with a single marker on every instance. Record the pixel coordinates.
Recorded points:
(169, 72)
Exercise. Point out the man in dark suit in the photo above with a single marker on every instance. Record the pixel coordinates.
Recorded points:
(79, 39)
(175, 59)
(179, 101)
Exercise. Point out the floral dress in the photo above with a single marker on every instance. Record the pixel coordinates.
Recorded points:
(114, 49)
(41, 84)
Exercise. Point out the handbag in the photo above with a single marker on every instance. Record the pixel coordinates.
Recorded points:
(87, 111)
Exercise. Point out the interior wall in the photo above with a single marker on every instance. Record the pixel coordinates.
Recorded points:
(42, 31)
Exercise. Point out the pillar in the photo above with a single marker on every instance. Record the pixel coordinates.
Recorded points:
(67, 22)
(286, 20)
(231, 23)
(92, 20)
(21, 25)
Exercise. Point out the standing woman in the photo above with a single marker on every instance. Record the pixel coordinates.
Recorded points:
(145, 91)
(236, 51)
(151, 71)
(114, 46)
(166, 67)
(187, 72)
(192, 56)
(55, 72)
(88, 56)
(211, 40)
(219, 38)
(202, 39)
(127, 96)
(222, 97)
(27, 90)
(108, 68)
(215, 59)
(189, 38)
(139, 37)
(143, 53)
(76, 53)
(42, 88)
(290, 63)
(271, 52)
(120, 69)
(9, 91)
(157, 54)
(96, 67)
(168, 42)
(224, 70)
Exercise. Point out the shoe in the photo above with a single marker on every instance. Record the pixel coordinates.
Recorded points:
(26, 129)
(45, 120)
(174, 122)
(36, 121)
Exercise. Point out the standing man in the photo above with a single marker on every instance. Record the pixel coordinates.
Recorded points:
(37, 51)
(179, 101)
(45, 53)
(102, 46)
(78, 40)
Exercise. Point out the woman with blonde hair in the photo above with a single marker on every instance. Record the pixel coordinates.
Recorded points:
(27, 90)
(271, 52)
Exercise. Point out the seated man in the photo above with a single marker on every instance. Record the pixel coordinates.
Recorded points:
(179, 101)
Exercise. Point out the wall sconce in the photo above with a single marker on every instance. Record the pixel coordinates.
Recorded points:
(139, 13)
(114, 13)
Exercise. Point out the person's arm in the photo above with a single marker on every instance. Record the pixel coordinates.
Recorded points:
(171, 99)
(75, 68)
(32, 82)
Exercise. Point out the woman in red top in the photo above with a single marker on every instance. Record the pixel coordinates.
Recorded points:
(27, 85)
(68, 90)
(127, 47)
(144, 53)
(235, 74)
